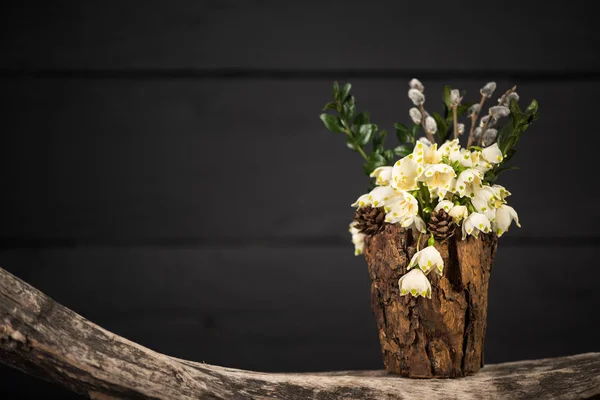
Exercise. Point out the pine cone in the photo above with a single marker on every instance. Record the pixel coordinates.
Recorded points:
(370, 220)
(441, 225)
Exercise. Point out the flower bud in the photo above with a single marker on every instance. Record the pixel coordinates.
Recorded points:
(513, 95)
(416, 84)
(489, 137)
(473, 110)
(415, 115)
(430, 125)
(498, 112)
(455, 98)
(484, 120)
(488, 89)
(461, 128)
(477, 132)
(416, 96)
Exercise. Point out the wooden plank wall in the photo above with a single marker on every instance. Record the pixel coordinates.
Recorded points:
(166, 175)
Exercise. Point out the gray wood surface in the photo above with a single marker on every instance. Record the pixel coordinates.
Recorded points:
(428, 35)
(45, 339)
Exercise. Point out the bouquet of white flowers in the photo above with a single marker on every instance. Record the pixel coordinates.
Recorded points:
(435, 209)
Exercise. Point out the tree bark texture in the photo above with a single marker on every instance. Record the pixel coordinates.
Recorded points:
(47, 340)
(441, 337)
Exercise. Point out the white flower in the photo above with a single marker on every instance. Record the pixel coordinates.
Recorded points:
(414, 222)
(358, 238)
(498, 112)
(416, 283)
(488, 89)
(362, 201)
(504, 216)
(489, 137)
(468, 182)
(445, 204)
(403, 207)
(416, 84)
(427, 259)
(382, 175)
(451, 150)
(424, 140)
(381, 195)
(415, 115)
(492, 154)
(500, 192)
(426, 154)
(465, 159)
(485, 202)
(416, 96)
(459, 213)
(430, 125)
(475, 223)
(455, 98)
(405, 173)
(438, 178)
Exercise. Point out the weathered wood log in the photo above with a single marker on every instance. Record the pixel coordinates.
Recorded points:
(441, 337)
(47, 340)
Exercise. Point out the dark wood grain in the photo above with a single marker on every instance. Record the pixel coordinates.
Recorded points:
(466, 35)
(132, 162)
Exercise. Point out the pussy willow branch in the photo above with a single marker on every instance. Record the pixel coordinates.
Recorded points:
(455, 113)
(474, 120)
(427, 133)
(502, 100)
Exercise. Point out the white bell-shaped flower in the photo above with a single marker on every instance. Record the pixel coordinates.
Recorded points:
(382, 175)
(504, 216)
(362, 201)
(358, 238)
(428, 259)
(438, 178)
(475, 223)
(402, 207)
(415, 283)
(447, 205)
(466, 158)
(379, 196)
(426, 154)
(485, 202)
(492, 154)
(414, 222)
(405, 173)
(459, 213)
(468, 182)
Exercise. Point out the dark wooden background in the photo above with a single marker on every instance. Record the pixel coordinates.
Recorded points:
(165, 173)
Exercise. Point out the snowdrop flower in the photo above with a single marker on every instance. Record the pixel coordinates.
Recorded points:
(489, 137)
(414, 222)
(448, 147)
(358, 238)
(504, 216)
(455, 97)
(416, 283)
(403, 207)
(426, 154)
(488, 89)
(475, 223)
(379, 196)
(362, 201)
(498, 112)
(415, 115)
(430, 125)
(416, 84)
(500, 192)
(427, 259)
(405, 173)
(447, 205)
(468, 182)
(459, 213)
(492, 154)
(484, 202)
(438, 178)
(417, 97)
(382, 175)
(466, 158)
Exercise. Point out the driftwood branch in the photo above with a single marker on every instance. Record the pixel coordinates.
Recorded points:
(47, 340)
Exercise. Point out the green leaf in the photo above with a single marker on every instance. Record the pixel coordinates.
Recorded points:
(336, 91)
(414, 131)
(330, 106)
(365, 132)
(389, 156)
(463, 108)
(442, 126)
(424, 193)
(350, 144)
(403, 150)
(346, 91)
(333, 123)
(349, 108)
(532, 108)
(504, 137)
(403, 134)
(379, 139)
(361, 118)
(375, 160)
(446, 96)
(509, 154)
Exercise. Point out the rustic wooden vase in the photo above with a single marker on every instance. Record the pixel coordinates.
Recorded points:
(441, 337)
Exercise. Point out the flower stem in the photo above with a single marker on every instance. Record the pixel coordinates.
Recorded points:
(419, 242)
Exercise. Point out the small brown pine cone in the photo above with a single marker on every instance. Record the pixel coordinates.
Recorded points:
(370, 220)
(441, 225)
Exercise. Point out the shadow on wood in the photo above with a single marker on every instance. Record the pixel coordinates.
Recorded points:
(47, 340)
